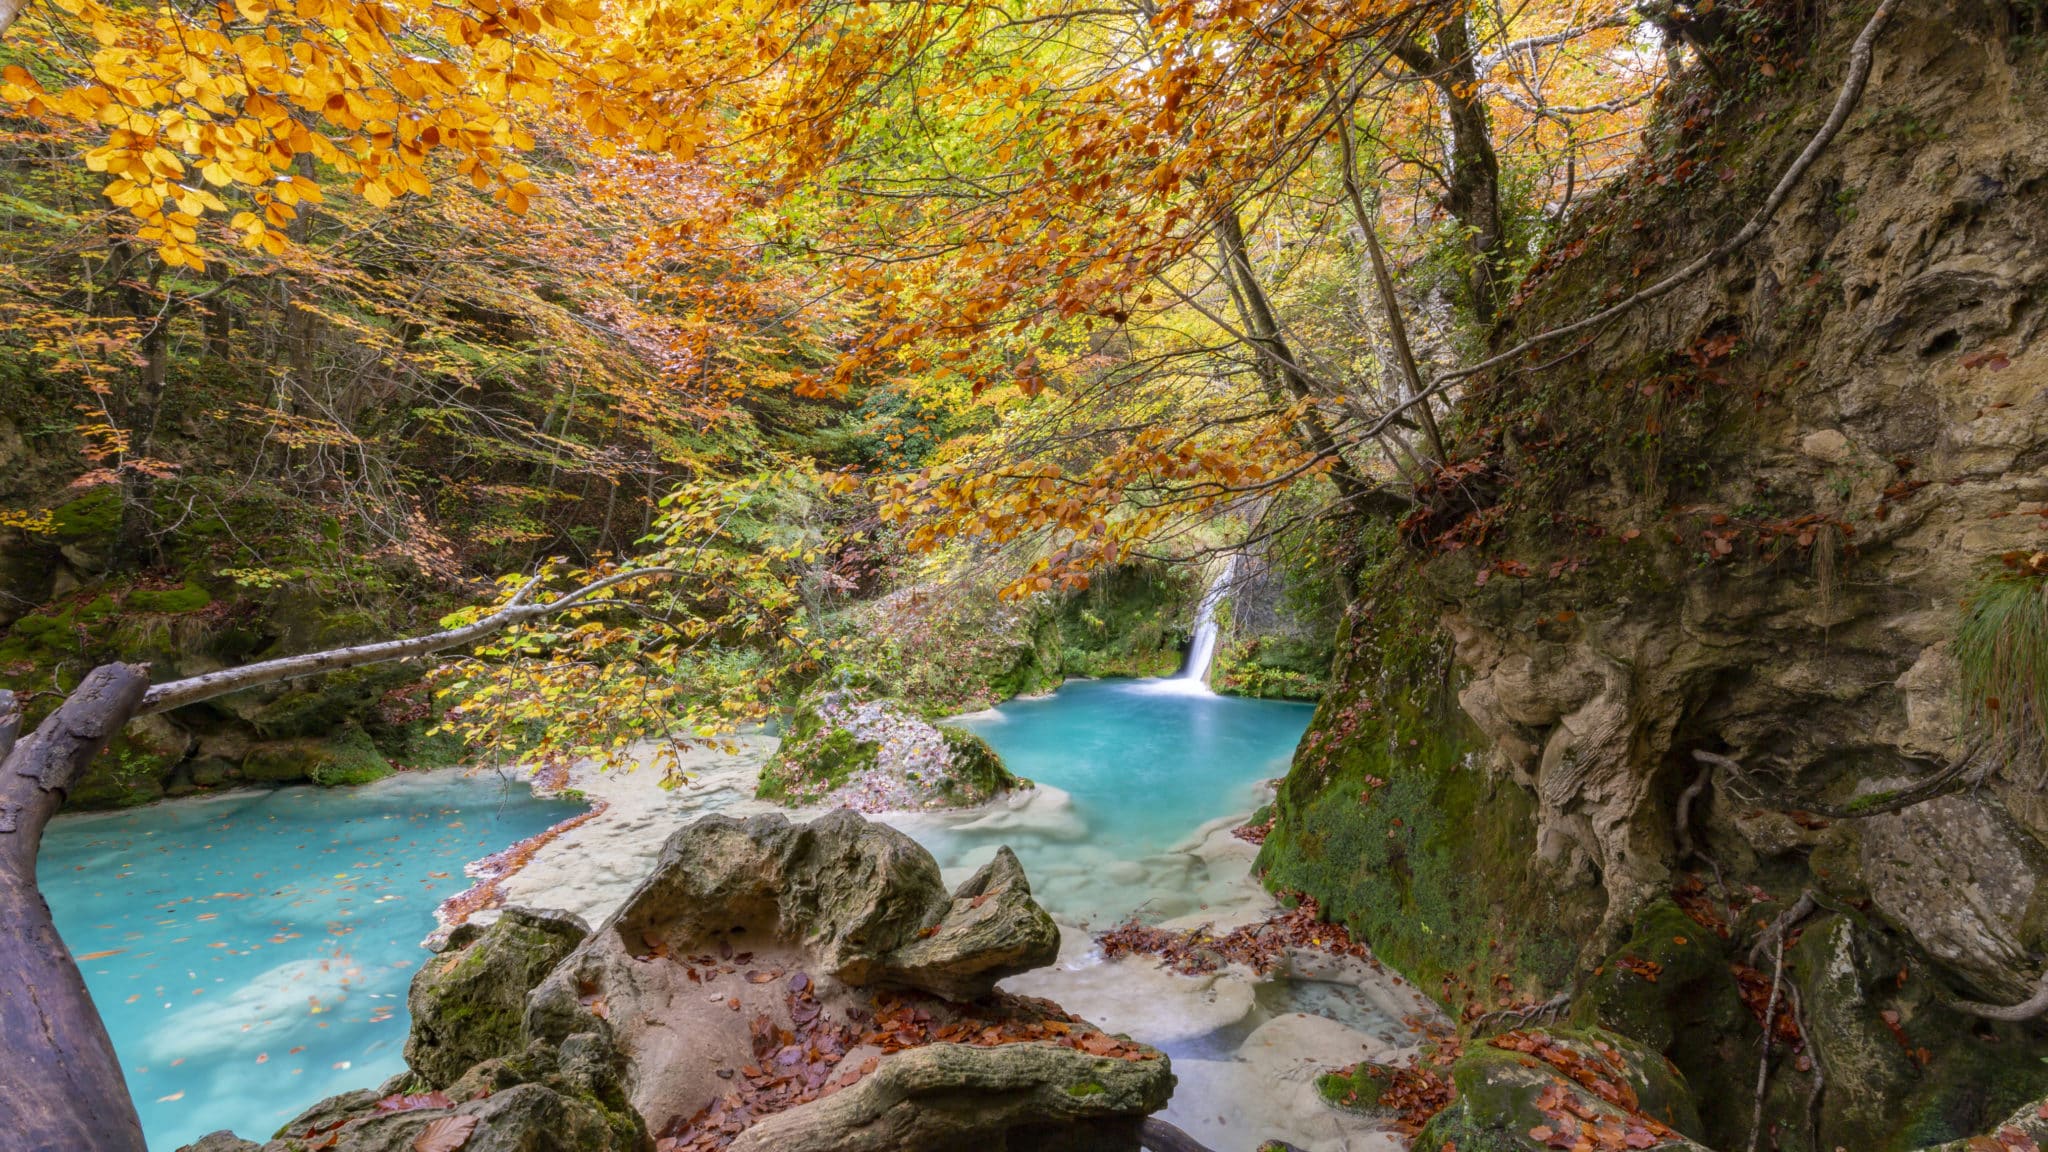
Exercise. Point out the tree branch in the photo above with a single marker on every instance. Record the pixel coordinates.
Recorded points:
(191, 690)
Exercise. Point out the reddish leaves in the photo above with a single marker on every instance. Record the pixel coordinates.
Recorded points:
(445, 1134)
(1755, 988)
(806, 1062)
(1259, 947)
(1255, 833)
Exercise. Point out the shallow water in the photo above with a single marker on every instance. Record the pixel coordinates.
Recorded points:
(250, 953)
(1144, 764)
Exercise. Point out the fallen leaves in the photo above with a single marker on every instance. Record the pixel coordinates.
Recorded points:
(445, 1134)
(1259, 947)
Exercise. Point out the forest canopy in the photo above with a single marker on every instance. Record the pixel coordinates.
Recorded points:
(798, 302)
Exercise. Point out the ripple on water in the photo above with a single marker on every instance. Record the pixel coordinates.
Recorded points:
(251, 952)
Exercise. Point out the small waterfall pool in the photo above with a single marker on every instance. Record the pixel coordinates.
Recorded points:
(251, 952)
(1143, 764)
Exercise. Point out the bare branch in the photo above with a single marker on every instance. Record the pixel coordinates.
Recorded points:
(191, 690)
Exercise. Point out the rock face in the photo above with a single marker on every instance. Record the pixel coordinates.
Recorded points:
(794, 986)
(467, 1003)
(1737, 520)
(877, 756)
(557, 1099)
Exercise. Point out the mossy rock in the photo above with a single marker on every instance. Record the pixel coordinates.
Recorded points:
(1498, 1094)
(1389, 818)
(977, 772)
(467, 1002)
(93, 516)
(804, 768)
(349, 757)
(188, 597)
(1670, 970)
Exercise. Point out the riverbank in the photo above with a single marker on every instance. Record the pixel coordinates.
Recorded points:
(1246, 1047)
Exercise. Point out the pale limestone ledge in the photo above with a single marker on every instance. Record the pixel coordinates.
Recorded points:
(1247, 1069)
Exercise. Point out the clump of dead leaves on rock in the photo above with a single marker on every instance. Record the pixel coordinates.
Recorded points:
(1412, 1093)
(1572, 1123)
(1255, 833)
(1259, 947)
(807, 1061)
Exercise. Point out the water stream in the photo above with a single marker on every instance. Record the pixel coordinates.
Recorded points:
(250, 952)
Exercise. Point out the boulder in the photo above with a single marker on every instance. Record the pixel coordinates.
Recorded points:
(1044, 1097)
(818, 982)
(1517, 1090)
(861, 900)
(878, 756)
(1959, 877)
(348, 757)
(467, 1003)
(992, 929)
(2025, 1128)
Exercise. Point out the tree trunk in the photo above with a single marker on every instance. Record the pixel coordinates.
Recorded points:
(61, 1088)
(1473, 195)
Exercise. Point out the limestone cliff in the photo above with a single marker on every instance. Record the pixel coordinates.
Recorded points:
(1752, 519)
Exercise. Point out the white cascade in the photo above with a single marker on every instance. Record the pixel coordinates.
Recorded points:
(1202, 651)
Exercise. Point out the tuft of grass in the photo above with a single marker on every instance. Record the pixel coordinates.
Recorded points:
(2002, 650)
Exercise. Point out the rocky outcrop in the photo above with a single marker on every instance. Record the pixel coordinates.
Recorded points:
(1740, 521)
(877, 756)
(559, 1098)
(770, 986)
(468, 1002)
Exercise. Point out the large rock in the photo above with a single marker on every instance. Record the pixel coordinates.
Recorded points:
(1963, 881)
(862, 901)
(1043, 1097)
(822, 975)
(467, 1003)
(546, 1099)
(1561, 1082)
(878, 756)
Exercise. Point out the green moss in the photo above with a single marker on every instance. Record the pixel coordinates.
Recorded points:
(1668, 972)
(1497, 1093)
(1389, 820)
(93, 516)
(805, 768)
(1086, 1088)
(976, 769)
(189, 597)
(349, 757)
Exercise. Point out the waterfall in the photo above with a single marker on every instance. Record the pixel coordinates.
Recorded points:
(1202, 651)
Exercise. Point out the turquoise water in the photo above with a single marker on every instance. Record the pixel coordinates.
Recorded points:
(251, 952)
(1146, 763)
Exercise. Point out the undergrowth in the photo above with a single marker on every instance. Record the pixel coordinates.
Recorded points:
(2002, 649)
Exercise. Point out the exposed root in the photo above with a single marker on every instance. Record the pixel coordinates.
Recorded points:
(1526, 1014)
(1801, 908)
(2026, 1009)
(1763, 1064)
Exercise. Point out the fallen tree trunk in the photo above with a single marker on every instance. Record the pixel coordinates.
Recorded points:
(61, 1088)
